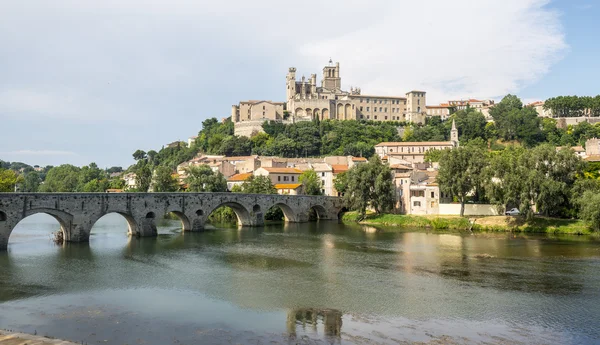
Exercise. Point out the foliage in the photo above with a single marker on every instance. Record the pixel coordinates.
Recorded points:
(8, 180)
(139, 154)
(143, 176)
(573, 106)
(515, 122)
(369, 184)
(590, 209)
(201, 178)
(163, 180)
(340, 183)
(258, 185)
(32, 182)
(311, 183)
(460, 172)
(63, 178)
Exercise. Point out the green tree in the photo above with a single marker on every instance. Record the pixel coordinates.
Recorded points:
(258, 185)
(139, 155)
(201, 178)
(63, 178)
(143, 176)
(311, 183)
(340, 183)
(163, 180)
(32, 182)
(8, 180)
(461, 172)
(369, 184)
(590, 209)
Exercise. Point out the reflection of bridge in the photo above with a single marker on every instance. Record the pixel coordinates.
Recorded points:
(77, 212)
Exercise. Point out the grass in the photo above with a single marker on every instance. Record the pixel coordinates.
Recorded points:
(490, 223)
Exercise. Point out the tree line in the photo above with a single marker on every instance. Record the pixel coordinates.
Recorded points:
(555, 183)
(573, 106)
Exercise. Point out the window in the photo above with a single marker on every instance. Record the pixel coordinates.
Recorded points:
(367, 100)
(417, 204)
(285, 178)
(361, 116)
(432, 204)
(385, 110)
(379, 101)
(385, 101)
(432, 194)
(380, 109)
(368, 117)
(375, 117)
(323, 174)
(279, 178)
(386, 117)
(360, 108)
(367, 108)
(292, 178)
(361, 100)
(374, 108)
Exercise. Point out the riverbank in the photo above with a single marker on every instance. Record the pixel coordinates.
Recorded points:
(10, 338)
(476, 223)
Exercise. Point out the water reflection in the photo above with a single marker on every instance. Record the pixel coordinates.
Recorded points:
(316, 321)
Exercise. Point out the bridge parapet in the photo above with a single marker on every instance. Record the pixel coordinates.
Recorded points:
(78, 212)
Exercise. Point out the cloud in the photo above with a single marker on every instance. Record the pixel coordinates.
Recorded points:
(159, 67)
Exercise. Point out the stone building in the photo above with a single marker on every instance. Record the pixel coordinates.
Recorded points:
(305, 101)
(414, 152)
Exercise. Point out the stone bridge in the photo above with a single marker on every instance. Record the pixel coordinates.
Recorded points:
(78, 212)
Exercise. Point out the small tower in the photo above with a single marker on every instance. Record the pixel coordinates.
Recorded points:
(454, 134)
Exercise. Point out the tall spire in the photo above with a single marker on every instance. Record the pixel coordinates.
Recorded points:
(454, 134)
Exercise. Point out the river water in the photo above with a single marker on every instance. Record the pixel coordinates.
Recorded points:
(319, 282)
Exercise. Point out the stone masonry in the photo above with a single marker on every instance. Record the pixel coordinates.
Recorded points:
(78, 212)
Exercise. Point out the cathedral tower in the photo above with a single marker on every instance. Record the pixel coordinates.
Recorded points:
(331, 76)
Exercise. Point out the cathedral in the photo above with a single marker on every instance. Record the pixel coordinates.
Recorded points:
(305, 101)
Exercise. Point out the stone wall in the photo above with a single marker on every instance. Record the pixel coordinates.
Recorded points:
(470, 210)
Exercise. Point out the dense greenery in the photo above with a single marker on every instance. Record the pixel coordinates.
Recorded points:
(461, 172)
(311, 183)
(573, 106)
(368, 185)
(203, 179)
(8, 180)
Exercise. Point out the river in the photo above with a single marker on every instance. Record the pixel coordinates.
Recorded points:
(320, 282)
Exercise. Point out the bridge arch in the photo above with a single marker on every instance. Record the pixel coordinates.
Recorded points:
(320, 211)
(289, 214)
(7, 225)
(132, 225)
(241, 212)
(186, 225)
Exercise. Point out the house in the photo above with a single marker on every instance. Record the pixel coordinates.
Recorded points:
(279, 175)
(289, 188)
(417, 192)
(129, 179)
(237, 180)
(325, 172)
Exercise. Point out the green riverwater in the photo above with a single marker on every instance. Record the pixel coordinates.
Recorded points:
(319, 282)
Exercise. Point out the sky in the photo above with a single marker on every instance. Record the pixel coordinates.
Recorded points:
(93, 81)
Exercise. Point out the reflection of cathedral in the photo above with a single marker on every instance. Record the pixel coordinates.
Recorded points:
(298, 320)
(306, 101)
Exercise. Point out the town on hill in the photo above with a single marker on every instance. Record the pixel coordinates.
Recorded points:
(314, 141)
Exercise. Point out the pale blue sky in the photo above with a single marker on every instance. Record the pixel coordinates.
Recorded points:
(94, 81)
